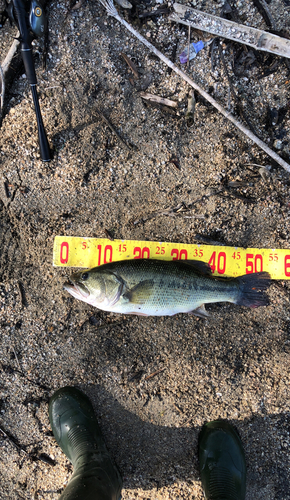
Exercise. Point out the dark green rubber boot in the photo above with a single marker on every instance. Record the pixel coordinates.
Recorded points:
(222, 462)
(77, 432)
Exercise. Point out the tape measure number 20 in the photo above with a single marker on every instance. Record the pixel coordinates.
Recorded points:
(70, 251)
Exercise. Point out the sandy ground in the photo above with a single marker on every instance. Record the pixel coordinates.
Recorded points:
(234, 365)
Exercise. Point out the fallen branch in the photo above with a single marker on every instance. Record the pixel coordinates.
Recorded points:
(111, 11)
(159, 100)
(258, 39)
(2, 88)
(5, 67)
(11, 53)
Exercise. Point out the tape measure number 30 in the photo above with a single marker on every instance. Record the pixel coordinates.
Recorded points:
(70, 251)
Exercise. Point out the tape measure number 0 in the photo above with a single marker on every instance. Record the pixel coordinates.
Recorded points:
(70, 251)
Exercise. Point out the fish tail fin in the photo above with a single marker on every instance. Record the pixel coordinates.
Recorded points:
(252, 289)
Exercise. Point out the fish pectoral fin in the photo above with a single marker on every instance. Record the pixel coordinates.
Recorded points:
(199, 266)
(140, 293)
(200, 312)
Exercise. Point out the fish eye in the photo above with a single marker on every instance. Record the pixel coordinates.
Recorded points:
(85, 276)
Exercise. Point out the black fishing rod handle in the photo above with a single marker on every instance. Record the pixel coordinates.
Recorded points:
(31, 77)
(28, 65)
(43, 142)
(20, 15)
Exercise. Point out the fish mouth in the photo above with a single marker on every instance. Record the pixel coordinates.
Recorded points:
(77, 290)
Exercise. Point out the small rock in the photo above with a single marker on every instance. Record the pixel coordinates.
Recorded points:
(278, 144)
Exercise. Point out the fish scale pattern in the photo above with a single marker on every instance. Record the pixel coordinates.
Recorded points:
(176, 287)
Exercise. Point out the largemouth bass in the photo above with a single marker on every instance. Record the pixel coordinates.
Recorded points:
(163, 288)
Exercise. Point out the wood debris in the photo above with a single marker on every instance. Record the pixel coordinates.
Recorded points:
(112, 129)
(265, 13)
(159, 100)
(171, 212)
(189, 115)
(175, 162)
(157, 12)
(178, 409)
(22, 294)
(43, 457)
(207, 241)
(4, 67)
(13, 441)
(131, 65)
(112, 11)
(2, 88)
(154, 373)
(78, 5)
(109, 234)
(258, 39)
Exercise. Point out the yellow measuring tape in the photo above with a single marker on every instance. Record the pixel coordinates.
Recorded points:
(70, 251)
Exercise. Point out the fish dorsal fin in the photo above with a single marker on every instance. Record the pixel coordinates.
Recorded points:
(200, 312)
(140, 293)
(199, 266)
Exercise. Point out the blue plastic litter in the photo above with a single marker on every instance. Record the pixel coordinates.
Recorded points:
(194, 48)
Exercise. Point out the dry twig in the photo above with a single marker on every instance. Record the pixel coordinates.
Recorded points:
(2, 88)
(78, 5)
(171, 212)
(11, 53)
(13, 441)
(188, 47)
(5, 66)
(207, 241)
(130, 64)
(109, 234)
(159, 100)
(112, 11)
(17, 361)
(113, 130)
(178, 409)
(154, 373)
